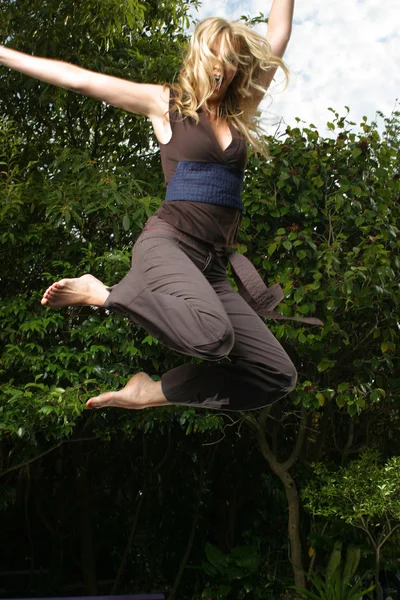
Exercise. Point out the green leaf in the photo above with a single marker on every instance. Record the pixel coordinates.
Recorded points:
(360, 402)
(126, 222)
(216, 557)
(287, 245)
(342, 387)
(304, 309)
(352, 409)
(318, 181)
(325, 364)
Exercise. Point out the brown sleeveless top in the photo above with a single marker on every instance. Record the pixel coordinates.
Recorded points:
(217, 225)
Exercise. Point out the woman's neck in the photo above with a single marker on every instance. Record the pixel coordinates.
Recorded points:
(212, 111)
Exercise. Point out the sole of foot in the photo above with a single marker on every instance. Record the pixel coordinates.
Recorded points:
(81, 291)
(140, 392)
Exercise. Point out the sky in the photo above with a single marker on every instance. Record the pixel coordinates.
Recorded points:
(341, 53)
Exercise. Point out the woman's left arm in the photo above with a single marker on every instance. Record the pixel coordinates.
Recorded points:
(280, 26)
(278, 35)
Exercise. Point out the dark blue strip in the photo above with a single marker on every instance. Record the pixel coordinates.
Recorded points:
(212, 183)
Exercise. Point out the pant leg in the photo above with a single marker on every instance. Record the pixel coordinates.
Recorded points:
(259, 371)
(166, 292)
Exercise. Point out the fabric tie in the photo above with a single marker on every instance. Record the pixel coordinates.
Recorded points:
(251, 287)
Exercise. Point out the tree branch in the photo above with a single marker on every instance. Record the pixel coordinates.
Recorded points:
(299, 440)
(385, 539)
(367, 531)
(349, 442)
(31, 460)
(196, 512)
(137, 514)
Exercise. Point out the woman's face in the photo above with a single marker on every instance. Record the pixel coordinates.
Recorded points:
(223, 72)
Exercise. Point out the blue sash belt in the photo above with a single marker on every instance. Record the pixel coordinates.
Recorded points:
(206, 182)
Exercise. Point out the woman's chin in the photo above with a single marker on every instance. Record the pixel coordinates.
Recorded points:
(218, 92)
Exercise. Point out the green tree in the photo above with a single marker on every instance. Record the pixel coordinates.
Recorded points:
(365, 494)
(77, 184)
(78, 180)
(322, 220)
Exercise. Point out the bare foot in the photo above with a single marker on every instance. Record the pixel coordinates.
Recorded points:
(81, 291)
(140, 392)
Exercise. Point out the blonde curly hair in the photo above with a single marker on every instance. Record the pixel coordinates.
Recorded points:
(240, 48)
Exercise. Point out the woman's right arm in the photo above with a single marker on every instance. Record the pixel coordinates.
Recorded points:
(142, 98)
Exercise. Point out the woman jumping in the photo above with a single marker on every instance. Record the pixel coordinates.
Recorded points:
(177, 287)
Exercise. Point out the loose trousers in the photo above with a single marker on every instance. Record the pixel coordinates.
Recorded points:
(179, 292)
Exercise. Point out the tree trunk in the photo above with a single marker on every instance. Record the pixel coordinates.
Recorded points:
(378, 587)
(293, 521)
(294, 529)
(196, 513)
(129, 541)
(87, 547)
(281, 469)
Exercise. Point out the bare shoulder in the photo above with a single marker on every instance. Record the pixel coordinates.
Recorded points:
(161, 99)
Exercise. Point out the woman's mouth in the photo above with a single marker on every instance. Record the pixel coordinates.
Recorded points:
(218, 82)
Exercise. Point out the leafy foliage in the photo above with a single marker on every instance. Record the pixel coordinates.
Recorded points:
(78, 180)
(233, 573)
(364, 493)
(73, 199)
(337, 583)
(322, 219)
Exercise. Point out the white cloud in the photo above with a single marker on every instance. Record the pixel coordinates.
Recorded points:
(342, 53)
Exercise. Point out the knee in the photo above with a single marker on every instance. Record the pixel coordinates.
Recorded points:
(289, 376)
(280, 380)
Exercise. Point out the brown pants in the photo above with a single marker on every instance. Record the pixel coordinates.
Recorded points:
(180, 294)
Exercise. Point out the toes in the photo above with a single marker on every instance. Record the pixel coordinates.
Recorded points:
(48, 294)
(58, 295)
(54, 288)
(101, 400)
(58, 285)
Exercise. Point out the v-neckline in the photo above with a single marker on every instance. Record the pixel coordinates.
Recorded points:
(214, 137)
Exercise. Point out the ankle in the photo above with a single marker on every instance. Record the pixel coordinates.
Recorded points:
(151, 394)
(102, 297)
